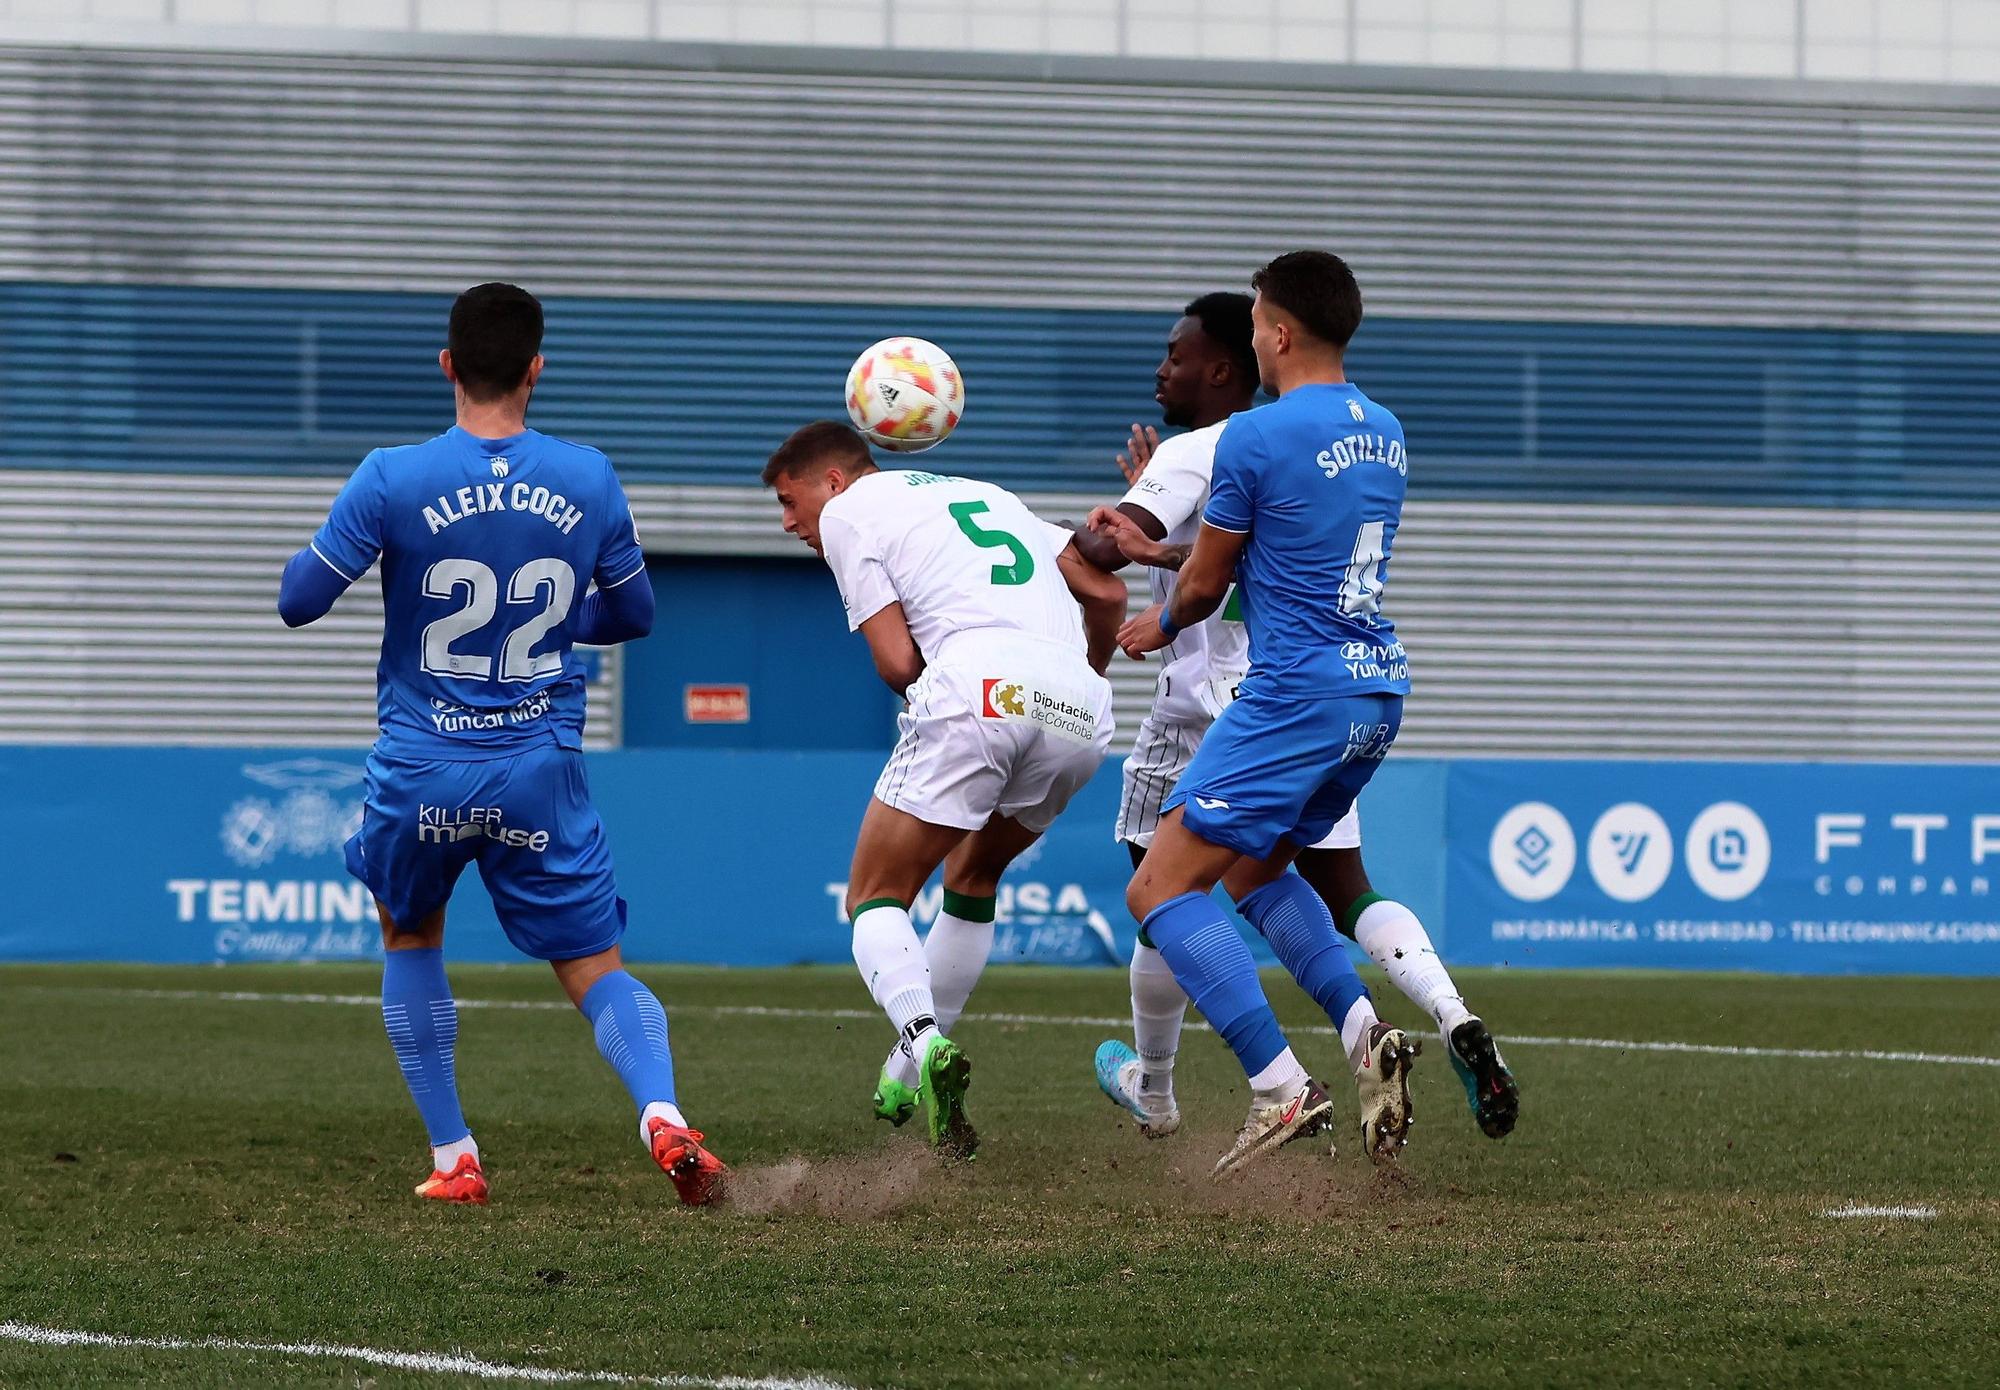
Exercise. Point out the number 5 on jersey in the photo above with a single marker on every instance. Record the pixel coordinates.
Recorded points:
(1023, 568)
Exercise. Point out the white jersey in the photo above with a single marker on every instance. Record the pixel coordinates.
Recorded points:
(1204, 662)
(971, 565)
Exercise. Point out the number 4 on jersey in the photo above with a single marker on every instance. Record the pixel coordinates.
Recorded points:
(1361, 591)
(1023, 568)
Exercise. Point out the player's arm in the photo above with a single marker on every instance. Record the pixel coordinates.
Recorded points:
(1240, 458)
(1100, 545)
(341, 551)
(873, 609)
(897, 660)
(1204, 583)
(1103, 598)
(620, 608)
(1126, 529)
(620, 612)
(1092, 543)
(309, 587)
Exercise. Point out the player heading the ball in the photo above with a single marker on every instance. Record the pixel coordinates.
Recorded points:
(969, 605)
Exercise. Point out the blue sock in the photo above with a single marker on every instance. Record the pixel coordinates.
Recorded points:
(1213, 965)
(423, 1028)
(1295, 921)
(631, 1030)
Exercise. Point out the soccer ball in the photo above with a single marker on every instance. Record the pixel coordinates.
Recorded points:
(905, 394)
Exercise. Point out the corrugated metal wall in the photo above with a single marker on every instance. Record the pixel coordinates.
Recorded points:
(369, 171)
(1573, 629)
(143, 609)
(140, 608)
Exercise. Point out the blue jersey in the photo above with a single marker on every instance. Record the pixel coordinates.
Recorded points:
(487, 548)
(1315, 479)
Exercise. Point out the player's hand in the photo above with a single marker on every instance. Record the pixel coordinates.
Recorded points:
(1142, 634)
(1139, 452)
(1133, 543)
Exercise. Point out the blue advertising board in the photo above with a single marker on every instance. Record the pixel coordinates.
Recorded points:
(740, 857)
(731, 857)
(1797, 867)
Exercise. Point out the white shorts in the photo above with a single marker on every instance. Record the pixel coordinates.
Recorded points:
(1158, 758)
(1017, 744)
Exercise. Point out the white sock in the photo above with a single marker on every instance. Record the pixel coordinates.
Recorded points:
(1395, 940)
(1283, 1076)
(1354, 1030)
(956, 951)
(444, 1157)
(1159, 1005)
(660, 1109)
(892, 962)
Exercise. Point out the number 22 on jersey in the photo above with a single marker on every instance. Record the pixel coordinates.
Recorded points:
(518, 663)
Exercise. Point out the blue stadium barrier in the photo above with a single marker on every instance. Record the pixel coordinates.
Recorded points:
(211, 379)
(1810, 868)
(740, 857)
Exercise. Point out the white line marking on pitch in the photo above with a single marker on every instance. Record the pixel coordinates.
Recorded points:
(441, 1363)
(1885, 1213)
(1054, 1020)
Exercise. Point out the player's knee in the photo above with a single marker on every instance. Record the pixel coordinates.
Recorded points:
(860, 895)
(1143, 895)
(975, 882)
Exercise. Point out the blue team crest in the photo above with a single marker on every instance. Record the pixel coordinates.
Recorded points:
(499, 467)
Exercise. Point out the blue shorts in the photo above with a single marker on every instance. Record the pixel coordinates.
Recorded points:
(1275, 768)
(526, 820)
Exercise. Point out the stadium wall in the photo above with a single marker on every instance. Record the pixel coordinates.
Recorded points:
(228, 855)
(1697, 374)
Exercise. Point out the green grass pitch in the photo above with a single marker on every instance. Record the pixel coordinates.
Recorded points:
(195, 1167)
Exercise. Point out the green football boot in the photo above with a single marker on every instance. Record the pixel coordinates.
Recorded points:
(942, 1078)
(894, 1101)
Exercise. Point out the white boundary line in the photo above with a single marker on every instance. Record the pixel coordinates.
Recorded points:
(1054, 1020)
(1887, 1213)
(438, 1363)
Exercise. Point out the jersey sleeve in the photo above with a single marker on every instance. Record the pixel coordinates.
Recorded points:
(1059, 537)
(1239, 460)
(856, 562)
(351, 538)
(1175, 481)
(620, 556)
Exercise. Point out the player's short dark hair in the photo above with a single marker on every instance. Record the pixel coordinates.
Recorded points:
(1317, 289)
(816, 445)
(496, 330)
(1224, 317)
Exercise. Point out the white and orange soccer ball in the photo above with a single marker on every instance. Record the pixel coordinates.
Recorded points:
(905, 394)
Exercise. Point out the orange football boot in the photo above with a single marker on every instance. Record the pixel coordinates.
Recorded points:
(699, 1176)
(464, 1183)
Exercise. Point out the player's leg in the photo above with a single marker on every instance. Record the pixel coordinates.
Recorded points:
(894, 855)
(411, 877)
(421, 1018)
(555, 892)
(1395, 939)
(956, 947)
(1296, 922)
(630, 1027)
(1169, 895)
(1140, 1078)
